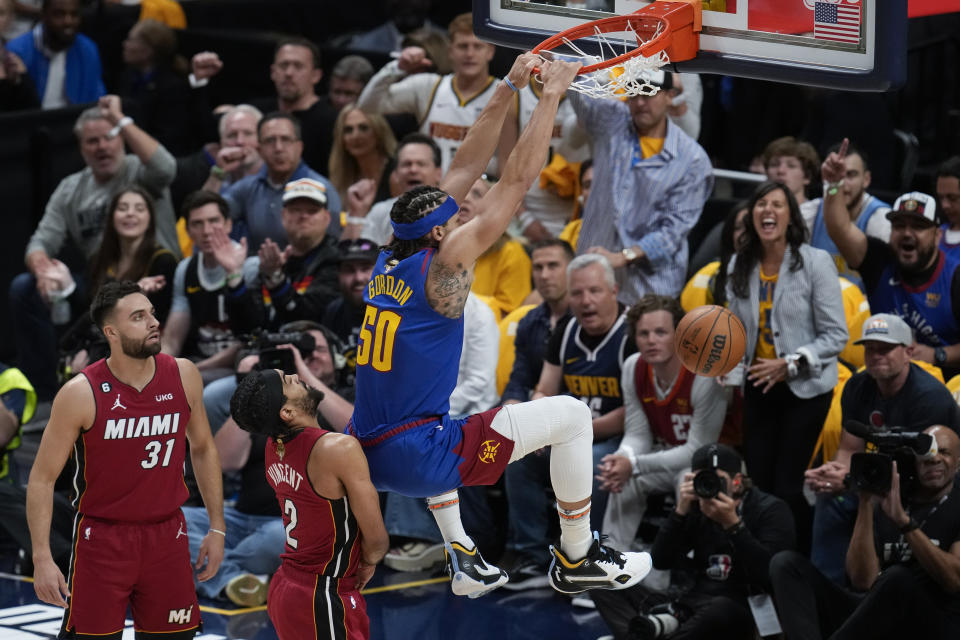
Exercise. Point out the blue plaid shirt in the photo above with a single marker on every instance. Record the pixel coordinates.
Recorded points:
(651, 203)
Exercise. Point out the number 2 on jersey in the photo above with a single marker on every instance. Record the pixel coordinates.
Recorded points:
(290, 510)
(377, 333)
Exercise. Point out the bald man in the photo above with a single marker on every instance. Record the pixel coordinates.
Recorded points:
(904, 555)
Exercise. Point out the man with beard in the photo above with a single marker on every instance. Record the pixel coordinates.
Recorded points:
(867, 212)
(345, 314)
(911, 276)
(255, 533)
(905, 556)
(63, 64)
(333, 529)
(126, 420)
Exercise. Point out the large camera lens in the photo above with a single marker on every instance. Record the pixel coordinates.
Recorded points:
(871, 472)
(707, 484)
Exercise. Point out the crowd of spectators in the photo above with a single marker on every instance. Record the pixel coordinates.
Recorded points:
(254, 228)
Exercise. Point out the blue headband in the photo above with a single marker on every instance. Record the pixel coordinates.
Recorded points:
(436, 218)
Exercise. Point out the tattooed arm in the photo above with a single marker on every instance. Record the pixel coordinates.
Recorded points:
(448, 286)
(451, 271)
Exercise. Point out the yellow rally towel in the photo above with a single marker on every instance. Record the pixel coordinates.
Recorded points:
(563, 176)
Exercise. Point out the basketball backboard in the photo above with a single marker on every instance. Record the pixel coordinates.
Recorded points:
(839, 44)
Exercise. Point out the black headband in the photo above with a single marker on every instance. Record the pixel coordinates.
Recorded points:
(273, 392)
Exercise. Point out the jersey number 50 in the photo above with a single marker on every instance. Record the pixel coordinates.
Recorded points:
(377, 334)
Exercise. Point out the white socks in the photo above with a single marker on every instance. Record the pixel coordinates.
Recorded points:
(575, 534)
(446, 511)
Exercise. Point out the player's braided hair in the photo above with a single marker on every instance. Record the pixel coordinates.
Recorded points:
(250, 411)
(410, 207)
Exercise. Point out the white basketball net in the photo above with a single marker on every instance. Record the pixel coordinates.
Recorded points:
(627, 79)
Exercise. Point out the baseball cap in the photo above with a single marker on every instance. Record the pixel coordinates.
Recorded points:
(659, 78)
(717, 456)
(886, 327)
(358, 249)
(305, 188)
(916, 204)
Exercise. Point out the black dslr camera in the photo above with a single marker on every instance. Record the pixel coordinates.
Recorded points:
(273, 358)
(873, 472)
(708, 483)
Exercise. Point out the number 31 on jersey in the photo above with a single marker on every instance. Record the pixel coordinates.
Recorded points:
(377, 334)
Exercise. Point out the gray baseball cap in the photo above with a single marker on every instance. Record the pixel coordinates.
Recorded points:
(886, 327)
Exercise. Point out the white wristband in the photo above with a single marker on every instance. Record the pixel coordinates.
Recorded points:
(124, 121)
(212, 530)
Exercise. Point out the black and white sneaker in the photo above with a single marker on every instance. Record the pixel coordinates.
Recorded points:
(527, 575)
(602, 568)
(470, 575)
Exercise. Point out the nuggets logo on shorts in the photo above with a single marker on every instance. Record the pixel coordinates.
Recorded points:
(488, 451)
(719, 566)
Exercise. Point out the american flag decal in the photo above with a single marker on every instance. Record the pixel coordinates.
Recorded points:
(838, 22)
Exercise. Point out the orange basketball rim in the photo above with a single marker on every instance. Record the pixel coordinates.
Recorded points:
(669, 26)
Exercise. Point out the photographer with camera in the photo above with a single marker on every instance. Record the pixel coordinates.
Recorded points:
(733, 530)
(904, 555)
(888, 392)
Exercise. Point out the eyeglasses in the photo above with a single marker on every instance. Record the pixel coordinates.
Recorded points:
(284, 141)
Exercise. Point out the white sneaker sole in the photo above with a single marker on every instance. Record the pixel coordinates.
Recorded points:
(646, 565)
(464, 585)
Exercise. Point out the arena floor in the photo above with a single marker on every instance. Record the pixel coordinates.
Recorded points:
(401, 607)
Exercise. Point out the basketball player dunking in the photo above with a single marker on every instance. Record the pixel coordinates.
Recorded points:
(126, 420)
(409, 351)
(335, 533)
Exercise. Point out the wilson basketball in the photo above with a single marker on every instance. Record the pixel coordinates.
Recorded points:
(710, 340)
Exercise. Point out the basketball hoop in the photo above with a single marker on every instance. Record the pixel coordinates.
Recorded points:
(665, 31)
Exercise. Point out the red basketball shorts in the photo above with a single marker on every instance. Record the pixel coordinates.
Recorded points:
(305, 606)
(144, 565)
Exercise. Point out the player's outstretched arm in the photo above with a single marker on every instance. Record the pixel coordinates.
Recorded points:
(482, 139)
(465, 244)
(206, 467)
(73, 410)
(349, 464)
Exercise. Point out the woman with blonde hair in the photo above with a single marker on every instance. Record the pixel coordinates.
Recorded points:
(363, 150)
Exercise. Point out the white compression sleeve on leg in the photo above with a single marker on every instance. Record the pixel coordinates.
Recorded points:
(565, 425)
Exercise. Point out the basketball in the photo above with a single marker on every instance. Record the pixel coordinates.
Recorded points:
(710, 340)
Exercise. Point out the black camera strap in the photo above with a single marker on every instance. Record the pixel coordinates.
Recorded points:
(930, 514)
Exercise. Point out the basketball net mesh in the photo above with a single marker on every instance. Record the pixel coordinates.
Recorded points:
(624, 80)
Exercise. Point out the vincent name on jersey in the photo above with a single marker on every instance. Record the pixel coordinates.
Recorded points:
(284, 473)
(141, 427)
(389, 286)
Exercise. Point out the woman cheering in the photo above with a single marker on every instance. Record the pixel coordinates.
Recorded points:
(787, 295)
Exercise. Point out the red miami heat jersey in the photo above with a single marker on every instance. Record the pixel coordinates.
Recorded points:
(669, 418)
(130, 463)
(322, 534)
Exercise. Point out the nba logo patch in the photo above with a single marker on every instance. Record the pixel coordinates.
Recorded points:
(353, 603)
(719, 566)
(933, 300)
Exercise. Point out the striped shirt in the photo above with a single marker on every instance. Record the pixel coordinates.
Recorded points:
(651, 203)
